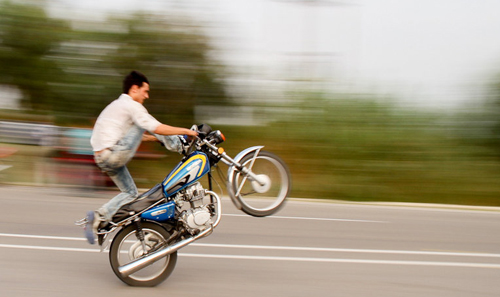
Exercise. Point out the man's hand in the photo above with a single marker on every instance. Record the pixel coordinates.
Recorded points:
(191, 135)
(147, 137)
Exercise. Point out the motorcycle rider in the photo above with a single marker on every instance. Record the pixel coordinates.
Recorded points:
(117, 134)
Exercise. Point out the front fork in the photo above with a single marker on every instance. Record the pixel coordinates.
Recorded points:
(236, 168)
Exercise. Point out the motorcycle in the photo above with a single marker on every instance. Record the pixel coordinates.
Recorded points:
(179, 210)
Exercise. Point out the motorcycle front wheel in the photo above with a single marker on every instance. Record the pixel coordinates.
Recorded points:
(126, 248)
(261, 199)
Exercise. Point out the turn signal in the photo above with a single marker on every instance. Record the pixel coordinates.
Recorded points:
(220, 150)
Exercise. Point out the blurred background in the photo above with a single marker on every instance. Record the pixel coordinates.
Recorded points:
(365, 100)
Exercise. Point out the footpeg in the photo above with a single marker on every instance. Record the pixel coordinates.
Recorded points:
(82, 223)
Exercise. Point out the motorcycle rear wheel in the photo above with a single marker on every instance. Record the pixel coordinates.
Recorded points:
(256, 199)
(126, 247)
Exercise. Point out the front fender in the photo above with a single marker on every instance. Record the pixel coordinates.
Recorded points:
(244, 152)
(232, 170)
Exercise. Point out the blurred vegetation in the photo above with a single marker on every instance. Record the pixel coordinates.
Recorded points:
(338, 146)
(481, 124)
(73, 70)
(27, 37)
(352, 148)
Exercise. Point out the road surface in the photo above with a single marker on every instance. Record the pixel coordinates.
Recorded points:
(307, 249)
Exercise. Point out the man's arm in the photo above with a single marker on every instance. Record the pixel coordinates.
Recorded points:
(170, 130)
(170, 136)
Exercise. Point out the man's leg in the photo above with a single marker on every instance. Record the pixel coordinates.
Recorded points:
(171, 142)
(115, 167)
(124, 181)
(113, 162)
(124, 150)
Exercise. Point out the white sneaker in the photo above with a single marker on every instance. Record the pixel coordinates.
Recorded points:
(93, 222)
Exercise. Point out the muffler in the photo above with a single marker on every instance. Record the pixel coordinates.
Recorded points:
(139, 264)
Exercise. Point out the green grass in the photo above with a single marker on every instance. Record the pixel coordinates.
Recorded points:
(339, 149)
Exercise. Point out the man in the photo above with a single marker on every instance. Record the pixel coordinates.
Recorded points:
(117, 134)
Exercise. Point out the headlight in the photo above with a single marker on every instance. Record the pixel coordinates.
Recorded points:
(218, 137)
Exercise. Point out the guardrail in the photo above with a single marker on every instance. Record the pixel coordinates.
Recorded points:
(28, 133)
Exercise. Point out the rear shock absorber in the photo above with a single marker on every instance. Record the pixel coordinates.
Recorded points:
(140, 235)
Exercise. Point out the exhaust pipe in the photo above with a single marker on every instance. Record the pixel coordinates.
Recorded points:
(137, 265)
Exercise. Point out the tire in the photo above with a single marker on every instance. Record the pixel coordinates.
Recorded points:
(126, 247)
(261, 200)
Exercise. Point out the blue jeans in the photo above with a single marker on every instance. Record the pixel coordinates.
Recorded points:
(113, 162)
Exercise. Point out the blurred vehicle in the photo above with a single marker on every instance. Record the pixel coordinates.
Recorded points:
(68, 158)
(28, 133)
(74, 159)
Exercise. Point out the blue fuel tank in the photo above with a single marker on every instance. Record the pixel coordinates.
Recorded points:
(188, 171)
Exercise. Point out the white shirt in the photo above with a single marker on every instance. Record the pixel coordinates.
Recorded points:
(117, 119)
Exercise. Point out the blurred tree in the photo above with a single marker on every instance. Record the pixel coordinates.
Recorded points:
(176, 61)
(494, 114)
(479, 123)
(73, 72)
(174, 58)
(27, 36)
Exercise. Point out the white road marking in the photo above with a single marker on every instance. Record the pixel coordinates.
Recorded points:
(307, 218)
(290, 259)
(355, 261)
(289, 248)
(47, 248)
(41, 237)
(370, 251)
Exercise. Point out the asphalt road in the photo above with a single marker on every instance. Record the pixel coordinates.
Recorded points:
(307, 249)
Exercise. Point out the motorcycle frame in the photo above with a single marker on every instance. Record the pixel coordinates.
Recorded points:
(234, 166)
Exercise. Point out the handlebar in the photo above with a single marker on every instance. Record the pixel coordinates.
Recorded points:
(205, 136)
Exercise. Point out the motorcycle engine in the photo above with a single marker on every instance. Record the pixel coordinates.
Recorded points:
(198, 217)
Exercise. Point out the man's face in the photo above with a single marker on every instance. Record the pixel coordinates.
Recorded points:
(140, 94)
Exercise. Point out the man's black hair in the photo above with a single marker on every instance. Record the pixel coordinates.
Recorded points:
(134, 78)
